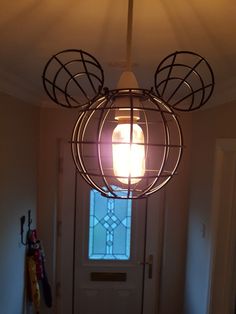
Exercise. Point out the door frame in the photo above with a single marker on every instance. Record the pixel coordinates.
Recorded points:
(222, 270)
(65, 283)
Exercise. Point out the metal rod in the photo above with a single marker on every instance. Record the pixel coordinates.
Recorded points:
(72, 77)
(184, 79)
(87, 72)
(168, 76)
(127, 143)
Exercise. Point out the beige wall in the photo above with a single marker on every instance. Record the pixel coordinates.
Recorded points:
(208, 126)
(18, 188)
(56, 124)
(174, 259)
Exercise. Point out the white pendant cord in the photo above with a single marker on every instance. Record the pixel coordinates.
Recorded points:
(127, 78)
(129, 35)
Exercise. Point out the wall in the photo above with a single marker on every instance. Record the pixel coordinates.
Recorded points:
(18, 189)
(175, 237)
(57, 124)
(208, 125)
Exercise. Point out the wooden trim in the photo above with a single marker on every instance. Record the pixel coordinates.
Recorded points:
(221, 289)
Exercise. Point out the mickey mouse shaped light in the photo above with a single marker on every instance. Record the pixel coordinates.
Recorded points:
(127, 142)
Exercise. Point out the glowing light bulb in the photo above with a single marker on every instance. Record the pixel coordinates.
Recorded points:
(128, 158)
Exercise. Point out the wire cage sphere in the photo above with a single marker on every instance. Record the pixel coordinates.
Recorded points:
(127, 143)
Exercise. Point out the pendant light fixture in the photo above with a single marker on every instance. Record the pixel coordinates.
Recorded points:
(127, 142)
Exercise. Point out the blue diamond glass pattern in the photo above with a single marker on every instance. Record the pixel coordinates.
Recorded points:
(109, 228)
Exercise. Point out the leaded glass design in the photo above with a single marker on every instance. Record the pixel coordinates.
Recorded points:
(109, 227)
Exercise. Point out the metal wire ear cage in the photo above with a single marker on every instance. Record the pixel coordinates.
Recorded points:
(184, 80)
(72, 78)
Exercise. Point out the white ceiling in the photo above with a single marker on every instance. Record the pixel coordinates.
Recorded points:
(31, 31)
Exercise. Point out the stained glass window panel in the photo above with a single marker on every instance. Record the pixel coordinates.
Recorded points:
(109, 228)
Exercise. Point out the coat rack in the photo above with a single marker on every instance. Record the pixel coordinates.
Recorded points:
(22, 223)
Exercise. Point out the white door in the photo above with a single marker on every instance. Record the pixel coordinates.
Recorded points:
(108, 251)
